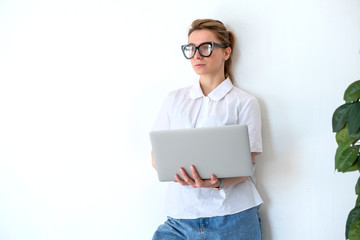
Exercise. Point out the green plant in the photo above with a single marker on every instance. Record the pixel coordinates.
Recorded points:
(346, 124)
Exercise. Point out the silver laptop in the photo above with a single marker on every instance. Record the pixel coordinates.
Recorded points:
(223, 151)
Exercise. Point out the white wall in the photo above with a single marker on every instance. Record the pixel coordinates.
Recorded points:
(82, 81)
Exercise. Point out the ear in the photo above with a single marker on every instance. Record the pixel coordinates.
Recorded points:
(227, 53)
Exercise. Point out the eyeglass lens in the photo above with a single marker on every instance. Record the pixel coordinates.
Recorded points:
(205, 50)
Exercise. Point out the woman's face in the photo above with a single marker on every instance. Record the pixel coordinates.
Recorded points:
(208, 66)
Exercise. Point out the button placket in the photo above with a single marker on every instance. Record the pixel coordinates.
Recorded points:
(203, 114)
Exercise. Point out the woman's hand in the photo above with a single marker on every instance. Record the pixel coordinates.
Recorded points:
(196, 181)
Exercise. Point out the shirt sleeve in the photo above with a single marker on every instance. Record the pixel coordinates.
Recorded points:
(250, 115)
(162, 122)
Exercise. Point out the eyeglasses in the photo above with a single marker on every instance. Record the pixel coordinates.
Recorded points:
(205, 49)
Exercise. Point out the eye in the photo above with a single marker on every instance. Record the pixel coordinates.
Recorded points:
(189, 50)
(206, 49)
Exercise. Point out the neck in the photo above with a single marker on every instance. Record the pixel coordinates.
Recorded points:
(208, 84)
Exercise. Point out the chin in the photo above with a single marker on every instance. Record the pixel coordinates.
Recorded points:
(199, 71)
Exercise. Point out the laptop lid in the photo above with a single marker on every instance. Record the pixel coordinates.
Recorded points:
(223, 151)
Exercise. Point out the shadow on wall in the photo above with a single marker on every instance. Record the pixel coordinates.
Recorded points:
(262, 161)
(275, 169)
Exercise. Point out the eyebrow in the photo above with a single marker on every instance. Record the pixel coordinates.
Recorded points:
(199, 44)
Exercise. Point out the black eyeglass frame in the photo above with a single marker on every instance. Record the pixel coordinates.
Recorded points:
(213, 44)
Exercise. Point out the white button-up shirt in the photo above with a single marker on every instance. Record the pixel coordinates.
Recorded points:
(225, 105)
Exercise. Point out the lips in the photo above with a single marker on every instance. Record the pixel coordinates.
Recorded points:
(199, 65)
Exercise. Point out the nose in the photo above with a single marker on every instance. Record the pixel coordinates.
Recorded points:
(197, 55)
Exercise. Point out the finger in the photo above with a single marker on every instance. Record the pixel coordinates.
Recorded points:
(179, 180)
(186, 177)
(213, 179)
(206, 183)
(243, 179)
(198, 180)
(195, 173)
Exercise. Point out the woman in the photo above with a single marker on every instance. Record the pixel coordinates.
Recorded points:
(211, 208)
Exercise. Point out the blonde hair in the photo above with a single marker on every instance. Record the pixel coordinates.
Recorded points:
(225, 37)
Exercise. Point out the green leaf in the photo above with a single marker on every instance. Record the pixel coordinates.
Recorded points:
(353, 216)
(346, 155)
(357, 187)
(342, 135)
(355, 137)
(352, 93)
(354, 231)
(340, 117)
(354, 167)
(354, 119)
(357, 204)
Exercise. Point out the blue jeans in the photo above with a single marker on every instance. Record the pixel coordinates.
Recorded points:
(245, 225)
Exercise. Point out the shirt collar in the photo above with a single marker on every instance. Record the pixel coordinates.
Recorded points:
(218, 93)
